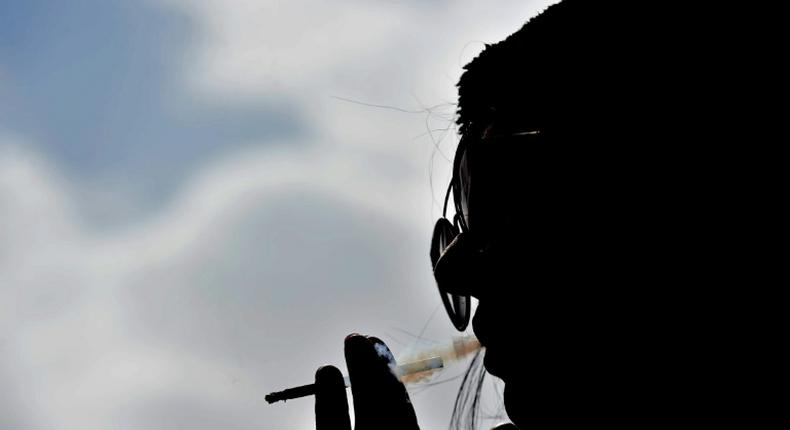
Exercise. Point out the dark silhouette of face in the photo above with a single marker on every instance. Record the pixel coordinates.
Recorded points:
(548, 235)
(558, 167)
(511, 258)
(599, 250)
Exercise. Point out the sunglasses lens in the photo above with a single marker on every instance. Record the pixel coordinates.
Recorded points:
(457, 307)
(460, 314)
(461, 188)
(443, 233)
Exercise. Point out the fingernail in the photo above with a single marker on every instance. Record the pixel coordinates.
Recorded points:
(352, 335)
(357, 345)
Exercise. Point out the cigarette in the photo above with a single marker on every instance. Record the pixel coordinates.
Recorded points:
(400, 371)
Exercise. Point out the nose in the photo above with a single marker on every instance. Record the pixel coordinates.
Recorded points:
(480, 324)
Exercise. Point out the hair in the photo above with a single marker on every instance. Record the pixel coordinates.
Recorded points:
(520, 78)
(466, 412)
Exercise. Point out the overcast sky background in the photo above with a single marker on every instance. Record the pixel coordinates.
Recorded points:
(191, 216)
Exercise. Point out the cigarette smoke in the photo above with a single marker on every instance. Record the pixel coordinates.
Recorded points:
(385, 353)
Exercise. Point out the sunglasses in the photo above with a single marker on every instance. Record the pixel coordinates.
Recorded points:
(458, 306)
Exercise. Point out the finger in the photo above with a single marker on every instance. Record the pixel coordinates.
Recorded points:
(331, 404)
(380, 399)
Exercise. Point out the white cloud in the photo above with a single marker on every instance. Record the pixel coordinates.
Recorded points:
(180, 309)
(377, 49)
(198, 310)
(259, 48)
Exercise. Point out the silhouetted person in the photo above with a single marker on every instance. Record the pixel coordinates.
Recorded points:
(592, 228)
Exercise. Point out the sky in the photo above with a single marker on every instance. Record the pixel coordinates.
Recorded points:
(199, 199)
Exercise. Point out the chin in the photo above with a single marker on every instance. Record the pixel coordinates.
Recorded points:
(515, 404)
(499, 362)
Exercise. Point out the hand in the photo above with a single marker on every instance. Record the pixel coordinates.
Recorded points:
(380, 399)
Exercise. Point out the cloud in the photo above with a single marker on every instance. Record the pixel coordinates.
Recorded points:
(205, 306)
(250, 274)
(251, 49)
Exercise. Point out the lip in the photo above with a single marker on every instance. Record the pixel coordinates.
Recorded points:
(493, 359)
(495, 365)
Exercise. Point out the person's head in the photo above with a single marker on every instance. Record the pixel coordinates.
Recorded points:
(544, 184)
